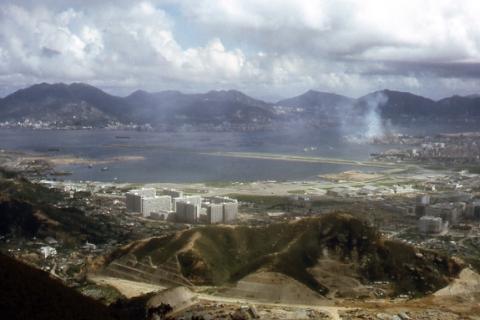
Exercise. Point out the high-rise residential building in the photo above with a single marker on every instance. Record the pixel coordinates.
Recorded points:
(447, 211)
(155, 204)
(214, 213)
(429, 224)
(230, 211)
(133, 198)
(187, 209)
(187, 212)
(192, 212)
(197, 200)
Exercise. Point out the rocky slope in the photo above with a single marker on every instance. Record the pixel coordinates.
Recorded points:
(312, 251)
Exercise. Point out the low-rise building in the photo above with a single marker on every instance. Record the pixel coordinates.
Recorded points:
(163, 215)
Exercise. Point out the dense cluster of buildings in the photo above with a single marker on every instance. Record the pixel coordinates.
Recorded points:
(445, 148)
(435, 218)
(368, 191)
(173, 205)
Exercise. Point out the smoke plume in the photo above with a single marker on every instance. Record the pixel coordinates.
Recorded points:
(364, 123)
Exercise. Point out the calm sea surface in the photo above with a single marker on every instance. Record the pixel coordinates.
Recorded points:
(177, 157)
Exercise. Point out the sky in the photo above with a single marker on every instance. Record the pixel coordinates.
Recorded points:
(270, 49)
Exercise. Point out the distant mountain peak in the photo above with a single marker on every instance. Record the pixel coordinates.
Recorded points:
(226, 93)
(138, 93)
(311, 91)
(313, 99)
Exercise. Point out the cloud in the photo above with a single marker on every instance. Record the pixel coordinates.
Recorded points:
(372, 29)
(268, 48)
(134, 45)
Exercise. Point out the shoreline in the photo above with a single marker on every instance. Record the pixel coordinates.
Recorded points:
(43, 167)
(297, 158)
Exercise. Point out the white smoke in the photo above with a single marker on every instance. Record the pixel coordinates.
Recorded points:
(368, 126)
(373, 120)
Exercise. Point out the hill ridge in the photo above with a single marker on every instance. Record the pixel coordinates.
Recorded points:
(80, 103)
(220, 255)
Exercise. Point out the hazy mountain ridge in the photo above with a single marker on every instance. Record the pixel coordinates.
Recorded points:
(75, 103)
(213, 107)
(313, 100)
(82, 104)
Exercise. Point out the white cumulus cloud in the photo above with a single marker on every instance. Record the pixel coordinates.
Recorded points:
(269, 48)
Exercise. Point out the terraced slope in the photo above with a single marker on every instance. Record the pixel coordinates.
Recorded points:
(304, 250)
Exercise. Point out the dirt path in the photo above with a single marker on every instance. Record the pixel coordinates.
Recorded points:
(330, 310)
(128, 288)
(134, 288)
(191, 242)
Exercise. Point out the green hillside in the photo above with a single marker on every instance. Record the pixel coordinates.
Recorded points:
(220, 254)
(29, 209)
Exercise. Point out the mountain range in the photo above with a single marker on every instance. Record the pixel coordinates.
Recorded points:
(80, 104)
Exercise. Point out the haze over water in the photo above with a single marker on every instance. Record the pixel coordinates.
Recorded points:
(177, 157)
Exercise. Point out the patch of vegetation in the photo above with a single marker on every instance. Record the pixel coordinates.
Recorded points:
(24, 190)
(104, 293)
(219, 254)
(28, 209)
(28, 293)
(7, 174)
(300, 191)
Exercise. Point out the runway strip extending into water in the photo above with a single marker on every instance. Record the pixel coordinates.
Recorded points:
(296, 158)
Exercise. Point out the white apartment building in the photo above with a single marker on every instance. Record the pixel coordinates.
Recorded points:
(154, 204)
